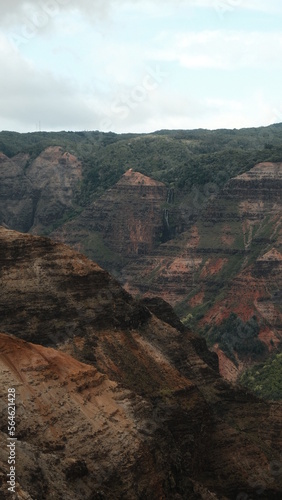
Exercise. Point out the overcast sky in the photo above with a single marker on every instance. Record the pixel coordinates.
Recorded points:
(139, 66)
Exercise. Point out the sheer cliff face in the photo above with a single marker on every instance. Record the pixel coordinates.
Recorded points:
(124, 405)
(229, 260)
(240, 225)
(16, 200)
(128, 220)
(129, 216)
(226, 256)
(36, 194)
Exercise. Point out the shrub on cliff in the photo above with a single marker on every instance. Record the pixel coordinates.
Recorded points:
(265, 380)
(236, 336)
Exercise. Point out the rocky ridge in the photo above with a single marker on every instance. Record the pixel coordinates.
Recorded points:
(129, 231)
(36, 193)
(130, 220)
(231, 245)
(201, 257)
(138, 407)
(228, 261)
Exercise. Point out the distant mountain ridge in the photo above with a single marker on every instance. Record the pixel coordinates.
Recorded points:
(180, 159)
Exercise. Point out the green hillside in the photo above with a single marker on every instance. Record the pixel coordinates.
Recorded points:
(179, 158)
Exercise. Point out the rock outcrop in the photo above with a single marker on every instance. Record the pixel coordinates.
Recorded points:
(128, 217)
(206, 259)
(132, 223)
(16, 193)
(124, 405)
(130, 220)
(228, 261)
(63, 407)
(55, 176)
(35, 194)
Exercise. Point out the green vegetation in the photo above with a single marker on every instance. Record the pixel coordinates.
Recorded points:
(196, 314)
(233, 335)
(180, 159)
(217, 289)
(95, 248)
(196, 164)
(265, 380)
(67, 216)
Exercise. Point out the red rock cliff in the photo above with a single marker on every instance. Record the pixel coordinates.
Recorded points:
(126, 405)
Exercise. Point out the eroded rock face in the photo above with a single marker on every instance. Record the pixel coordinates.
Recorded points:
(243, 220)
(169, 272)
(228, 261)
(130, 220)
(262, 183)
(77, 430)
(128, 403)
(128, 217)
(32, 268)
(16, 193)
(36, 194)
(219, 254)
(55, 176)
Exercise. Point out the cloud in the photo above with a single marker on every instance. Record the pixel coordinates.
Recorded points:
(160, 109)
(225, 6)
(29, 96)
(91, 71)
(223, 50)
(18, 11)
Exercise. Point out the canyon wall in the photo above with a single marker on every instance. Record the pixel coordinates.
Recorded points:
(207, 256)
(112, 400)
(36, 193)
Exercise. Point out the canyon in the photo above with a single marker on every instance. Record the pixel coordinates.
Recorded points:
(209, 250)
(116, 398)
(219, 257)
(158, 246)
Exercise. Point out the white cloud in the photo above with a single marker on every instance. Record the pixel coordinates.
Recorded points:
(29, 96)
(225, 6)
(222, 49)
(160, 109)
(85, 62)
(17, 11)
(182, 112)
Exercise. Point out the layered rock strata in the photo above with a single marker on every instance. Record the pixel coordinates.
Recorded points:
(35, 194)
(124, 405)
(129, 221)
